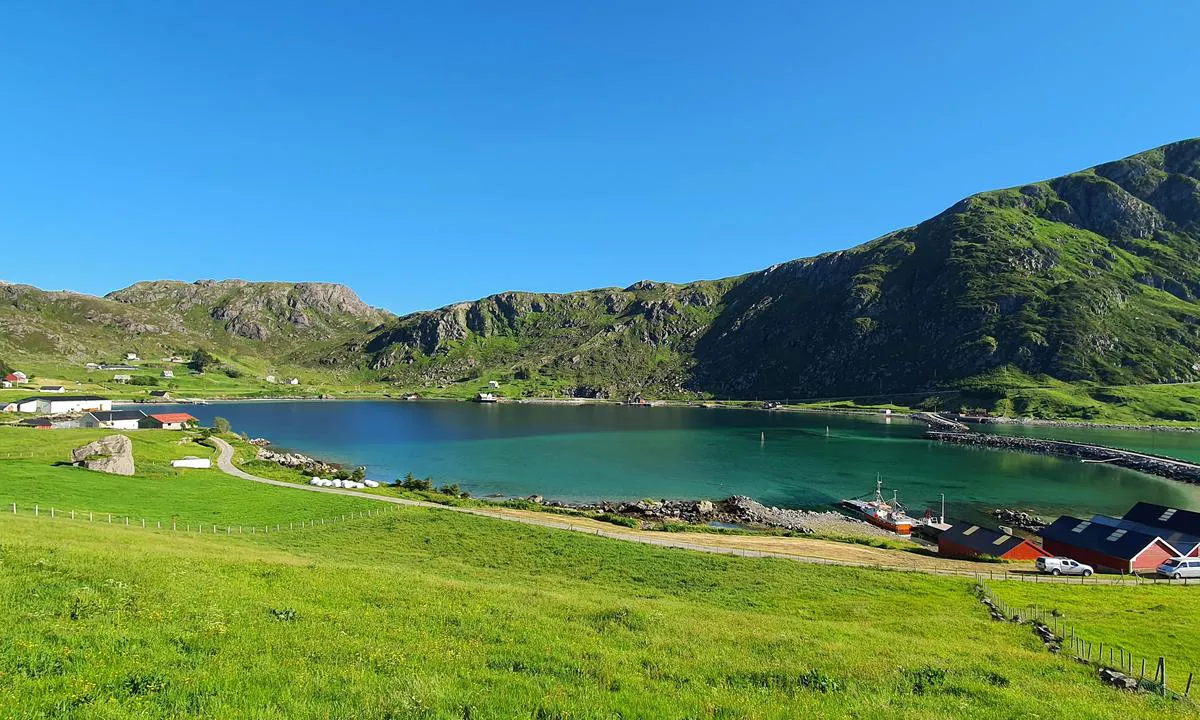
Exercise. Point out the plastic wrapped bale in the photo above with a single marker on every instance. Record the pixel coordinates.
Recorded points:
(315, 481)
(338, 483)
(370, 483)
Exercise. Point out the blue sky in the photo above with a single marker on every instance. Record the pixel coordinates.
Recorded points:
(425, 153)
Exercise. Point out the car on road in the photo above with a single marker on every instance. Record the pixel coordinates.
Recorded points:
(1063, 566)
(1179, 568)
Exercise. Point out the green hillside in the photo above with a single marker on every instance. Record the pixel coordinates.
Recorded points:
(1088, 278)
(426, 613)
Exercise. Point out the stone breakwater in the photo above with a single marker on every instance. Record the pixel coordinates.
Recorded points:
(939, 422)
(735, 510)
(1149, 464)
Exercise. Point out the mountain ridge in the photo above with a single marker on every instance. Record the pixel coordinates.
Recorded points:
(1091, 277)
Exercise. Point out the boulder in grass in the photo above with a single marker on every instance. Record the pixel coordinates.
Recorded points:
(112, 454)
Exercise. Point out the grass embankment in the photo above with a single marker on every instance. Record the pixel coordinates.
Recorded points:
(427, 613)
(1150, 621)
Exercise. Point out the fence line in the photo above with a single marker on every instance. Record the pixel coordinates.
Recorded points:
(1065, 637)
(187, 526)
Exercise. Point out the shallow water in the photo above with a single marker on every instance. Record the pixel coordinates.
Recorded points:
(591, 452)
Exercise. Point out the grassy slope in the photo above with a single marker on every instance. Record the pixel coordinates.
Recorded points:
(424, 613)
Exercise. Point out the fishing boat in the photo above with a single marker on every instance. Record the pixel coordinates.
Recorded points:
(887, 514)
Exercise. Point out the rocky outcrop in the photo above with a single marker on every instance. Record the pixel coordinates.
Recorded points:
(112, 454)
(1020, 519)
(310, 466)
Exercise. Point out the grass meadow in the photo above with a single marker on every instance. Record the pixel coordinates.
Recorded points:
(425, 613)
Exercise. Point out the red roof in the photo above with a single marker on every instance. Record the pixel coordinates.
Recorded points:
(173, 418)
(12, 378)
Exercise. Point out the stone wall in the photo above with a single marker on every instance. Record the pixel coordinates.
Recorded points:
(1161, 466)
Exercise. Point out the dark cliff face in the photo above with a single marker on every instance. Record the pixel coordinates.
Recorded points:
(1092, 276)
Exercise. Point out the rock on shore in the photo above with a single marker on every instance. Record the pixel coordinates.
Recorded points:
(737, 510)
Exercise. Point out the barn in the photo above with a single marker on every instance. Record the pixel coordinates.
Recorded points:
(1103, 545)
(1180, 528)
(964, 540)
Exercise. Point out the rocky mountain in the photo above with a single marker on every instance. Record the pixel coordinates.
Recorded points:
(270, 320)
(1093, 276)
(259, 310)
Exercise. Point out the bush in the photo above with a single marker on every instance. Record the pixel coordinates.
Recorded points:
(220, 425)
(231, 371)
(144, 380)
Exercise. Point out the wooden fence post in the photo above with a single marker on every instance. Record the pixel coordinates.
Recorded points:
(51, 513)
(35, 510)
(1188, 689)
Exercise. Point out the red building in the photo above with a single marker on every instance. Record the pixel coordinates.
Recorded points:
(1104, 546)
(964, 540)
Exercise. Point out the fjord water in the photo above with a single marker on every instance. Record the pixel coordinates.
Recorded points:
(592, 452)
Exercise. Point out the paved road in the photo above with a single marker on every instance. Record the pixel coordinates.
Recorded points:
(706, 544)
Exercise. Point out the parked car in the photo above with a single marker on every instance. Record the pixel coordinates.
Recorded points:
(1179, 568)
(1063, 566)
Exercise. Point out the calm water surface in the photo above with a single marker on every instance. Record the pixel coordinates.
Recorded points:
(594, 452)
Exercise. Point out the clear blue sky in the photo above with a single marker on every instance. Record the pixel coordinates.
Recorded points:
(425, 153)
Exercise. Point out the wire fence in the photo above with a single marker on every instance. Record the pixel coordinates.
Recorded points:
(1061, 635)
(176, 525)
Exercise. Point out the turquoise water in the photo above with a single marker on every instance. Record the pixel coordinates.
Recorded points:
(592, 452)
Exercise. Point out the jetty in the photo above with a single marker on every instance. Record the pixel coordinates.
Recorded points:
(1162, 466)
(941, 422)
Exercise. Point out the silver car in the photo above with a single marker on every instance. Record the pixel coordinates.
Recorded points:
(1063, 566)
(1179, 568)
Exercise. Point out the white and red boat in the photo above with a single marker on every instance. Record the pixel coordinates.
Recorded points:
(889, 515)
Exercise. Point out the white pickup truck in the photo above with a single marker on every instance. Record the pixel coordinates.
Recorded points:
(1063, 566)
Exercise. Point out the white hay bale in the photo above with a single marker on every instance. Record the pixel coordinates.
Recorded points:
(337, 483)
(315, 481)
(370, 483)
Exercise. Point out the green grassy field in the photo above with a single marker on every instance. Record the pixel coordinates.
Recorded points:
(29, 475)
(1147, 621)
(428, 613)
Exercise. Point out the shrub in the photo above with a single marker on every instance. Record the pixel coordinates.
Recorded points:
(220, 425)
(144, 380)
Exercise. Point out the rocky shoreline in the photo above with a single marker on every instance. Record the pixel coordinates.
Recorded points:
(737, 510)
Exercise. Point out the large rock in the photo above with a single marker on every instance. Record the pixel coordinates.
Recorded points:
(112, 454)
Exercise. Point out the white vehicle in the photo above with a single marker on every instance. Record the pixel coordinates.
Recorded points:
(1063, 566)
(1179, 568)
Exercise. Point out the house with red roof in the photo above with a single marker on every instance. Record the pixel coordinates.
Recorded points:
(169, 421)
(16, 377)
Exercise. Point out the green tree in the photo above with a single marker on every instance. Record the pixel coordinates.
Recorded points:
(201, 359)
(221, 425)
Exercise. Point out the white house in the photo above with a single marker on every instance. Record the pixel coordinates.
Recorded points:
(113, 419)
(192, 462)
(16, 376)
(294, 381)
(92, 366)
(28, 405)
(131, 356)
(270, 378)
(5, 383)
(122, 378)
(493, 383)
(72, 404)
(168, 373)
(52, 389)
